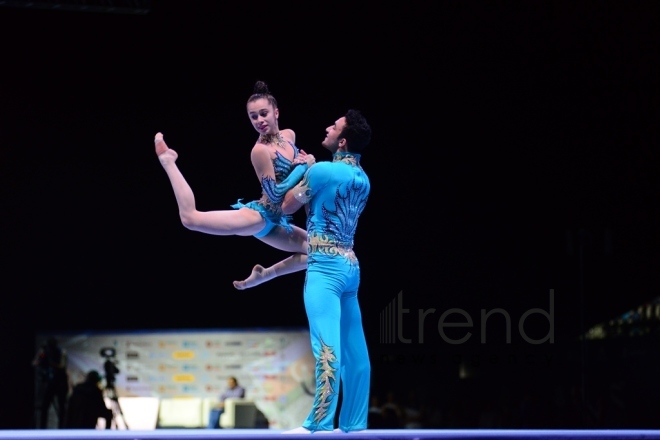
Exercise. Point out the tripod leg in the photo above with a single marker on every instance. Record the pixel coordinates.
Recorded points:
(118, 414)
(115, 407)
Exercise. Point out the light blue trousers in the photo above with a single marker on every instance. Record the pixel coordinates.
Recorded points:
(338, 343)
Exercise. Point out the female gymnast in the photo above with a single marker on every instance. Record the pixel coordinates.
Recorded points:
(279, 166)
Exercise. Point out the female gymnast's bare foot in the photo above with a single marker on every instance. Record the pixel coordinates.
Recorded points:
(164, 154)
(259, 275)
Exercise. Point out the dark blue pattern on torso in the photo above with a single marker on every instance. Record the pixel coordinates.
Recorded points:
(349, 202)
(336, 206)
(272, 196)
(282, 165)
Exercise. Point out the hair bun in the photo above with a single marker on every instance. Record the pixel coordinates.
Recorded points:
(261, 88)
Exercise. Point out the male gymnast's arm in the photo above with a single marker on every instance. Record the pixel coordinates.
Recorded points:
(298, 196)
(314, 179)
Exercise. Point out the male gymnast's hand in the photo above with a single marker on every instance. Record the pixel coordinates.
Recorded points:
(301, 158)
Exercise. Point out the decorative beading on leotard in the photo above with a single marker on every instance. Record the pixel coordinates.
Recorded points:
(327, 245)
(273, 139)
(269, 205)
(302, 192)
(346, 157)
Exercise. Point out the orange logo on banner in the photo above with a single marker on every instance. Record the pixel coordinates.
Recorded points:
(163, 367)
(183, 354)
(183, 378)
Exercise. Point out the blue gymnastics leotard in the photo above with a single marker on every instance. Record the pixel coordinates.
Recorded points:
(287, 175)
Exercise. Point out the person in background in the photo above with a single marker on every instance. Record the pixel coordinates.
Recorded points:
(53, 381)
(86, 404)
(233, 390)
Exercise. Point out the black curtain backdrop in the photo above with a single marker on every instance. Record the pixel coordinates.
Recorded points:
(514, 154)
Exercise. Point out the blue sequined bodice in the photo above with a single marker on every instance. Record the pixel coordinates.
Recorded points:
(282, 165)
(271, 193)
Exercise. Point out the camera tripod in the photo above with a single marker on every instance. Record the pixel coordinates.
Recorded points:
(117, 414)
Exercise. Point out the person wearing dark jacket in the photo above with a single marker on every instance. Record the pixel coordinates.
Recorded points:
(86, 404)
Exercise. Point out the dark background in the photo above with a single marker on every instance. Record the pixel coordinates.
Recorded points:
(514, 152)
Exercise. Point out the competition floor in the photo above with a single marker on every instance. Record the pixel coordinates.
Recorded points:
(407, 434)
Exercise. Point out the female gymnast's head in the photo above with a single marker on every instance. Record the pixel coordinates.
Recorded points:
(262, 110)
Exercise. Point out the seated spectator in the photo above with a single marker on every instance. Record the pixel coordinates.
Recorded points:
(233, 390)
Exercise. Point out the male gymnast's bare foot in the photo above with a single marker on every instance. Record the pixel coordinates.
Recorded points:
(258, 276)
(165, 155)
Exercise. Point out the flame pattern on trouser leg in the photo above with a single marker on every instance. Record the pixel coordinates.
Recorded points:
(325, 382)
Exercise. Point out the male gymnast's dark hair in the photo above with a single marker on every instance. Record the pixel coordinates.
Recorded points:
(261, 91)
(357, 131)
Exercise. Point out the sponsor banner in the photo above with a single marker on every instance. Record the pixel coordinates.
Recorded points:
(274, 366)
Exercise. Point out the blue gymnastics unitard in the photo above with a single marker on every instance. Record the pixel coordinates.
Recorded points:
(287, 175)
(337, 193)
